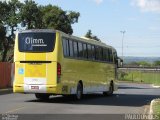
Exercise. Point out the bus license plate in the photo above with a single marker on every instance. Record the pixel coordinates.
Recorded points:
(35, 87)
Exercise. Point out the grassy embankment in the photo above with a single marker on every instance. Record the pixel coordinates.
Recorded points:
(156, 107)
(151, 77)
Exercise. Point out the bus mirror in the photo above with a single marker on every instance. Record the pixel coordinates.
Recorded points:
(120, 62)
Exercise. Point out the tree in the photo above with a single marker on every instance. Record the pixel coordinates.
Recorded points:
(4, 43)
(2, 36)
(13, 17)
(133, 64)
(144, 64)
(157, 63)
(53, 17)
(3, 8)
(95, 38)
(31, 16)
(89, 35)
(9, 20)
(56, 18)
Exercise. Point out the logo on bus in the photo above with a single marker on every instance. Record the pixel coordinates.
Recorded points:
(34, 42)
(20, 71)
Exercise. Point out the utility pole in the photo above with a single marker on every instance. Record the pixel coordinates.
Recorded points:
(123, 32)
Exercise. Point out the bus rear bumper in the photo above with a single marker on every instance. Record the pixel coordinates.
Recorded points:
(23, 88)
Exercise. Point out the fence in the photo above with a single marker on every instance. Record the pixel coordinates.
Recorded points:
(6, 74)
(145, 75)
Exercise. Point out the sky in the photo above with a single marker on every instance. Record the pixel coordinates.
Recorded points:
(106, 18)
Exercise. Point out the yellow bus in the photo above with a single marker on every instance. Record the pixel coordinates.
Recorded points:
(50, 62)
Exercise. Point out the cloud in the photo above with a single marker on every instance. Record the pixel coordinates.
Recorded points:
(98, 1)
(147, 5)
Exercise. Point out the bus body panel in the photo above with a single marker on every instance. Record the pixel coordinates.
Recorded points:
(96, 76)
(41, 77)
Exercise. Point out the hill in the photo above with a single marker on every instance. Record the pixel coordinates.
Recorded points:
(128, 59)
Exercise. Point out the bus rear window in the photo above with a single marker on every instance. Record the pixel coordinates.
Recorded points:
(36, 42)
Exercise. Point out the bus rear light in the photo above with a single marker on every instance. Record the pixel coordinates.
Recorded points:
(58, 70)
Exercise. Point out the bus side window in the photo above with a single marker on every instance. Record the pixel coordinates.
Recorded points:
(104, 55)
(75, 49)
(100, 54)
(65, 47)
(89, 51)
(93, 52)
(80, 50)
(115, 58)
(111, 55)
(85, 50)
(97, 53)
(108, 55)
(70, 48)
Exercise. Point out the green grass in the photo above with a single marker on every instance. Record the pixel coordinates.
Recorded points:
(156, 108)
(151, 77)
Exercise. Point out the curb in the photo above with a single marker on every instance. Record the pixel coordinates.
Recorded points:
(154, 86)
(151, 107)
(6, 91)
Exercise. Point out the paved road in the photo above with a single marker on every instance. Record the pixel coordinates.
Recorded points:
(130, 98)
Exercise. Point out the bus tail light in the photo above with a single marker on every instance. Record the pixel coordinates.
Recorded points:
(58, 70)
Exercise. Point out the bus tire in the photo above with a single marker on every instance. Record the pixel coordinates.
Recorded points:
(42, 96)
(110, 92)
(79, 92)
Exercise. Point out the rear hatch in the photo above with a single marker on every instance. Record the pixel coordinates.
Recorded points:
(36, 60)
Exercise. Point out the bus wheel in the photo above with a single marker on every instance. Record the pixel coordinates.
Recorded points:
(42, 96)
(110, 92)
(79, 93)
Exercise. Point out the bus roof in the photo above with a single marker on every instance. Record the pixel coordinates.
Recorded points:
(88, 40)
(83, 39)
